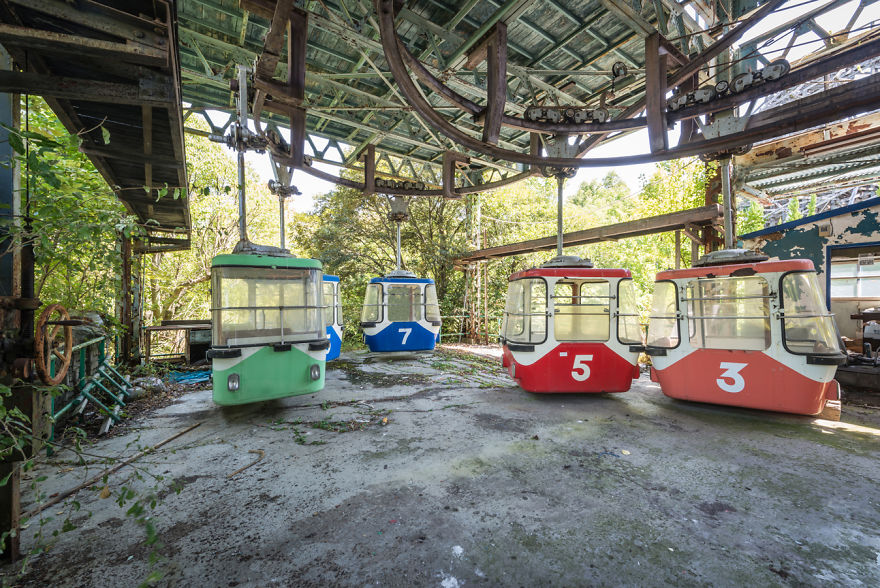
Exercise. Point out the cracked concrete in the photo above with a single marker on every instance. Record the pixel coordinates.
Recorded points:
(473, 481)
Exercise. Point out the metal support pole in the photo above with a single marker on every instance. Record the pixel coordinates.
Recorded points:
(242, 123)
(398, 246)
(281, 217)
(560, 181)
(728, 203)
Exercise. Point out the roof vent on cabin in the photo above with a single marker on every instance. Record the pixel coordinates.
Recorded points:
(730, 257)
(567, 261)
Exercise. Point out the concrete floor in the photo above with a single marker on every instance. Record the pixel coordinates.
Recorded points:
(473, 481)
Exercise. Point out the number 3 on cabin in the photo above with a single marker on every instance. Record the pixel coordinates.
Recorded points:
(731, 380)
(580, 371)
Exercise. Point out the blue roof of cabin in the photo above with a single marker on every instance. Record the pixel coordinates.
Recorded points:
(814, 218)
(329, 278)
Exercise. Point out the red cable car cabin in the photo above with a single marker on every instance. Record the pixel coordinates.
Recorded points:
(755, 335)
(568, 328)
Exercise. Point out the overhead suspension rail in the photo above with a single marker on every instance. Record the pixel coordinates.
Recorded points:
(397, 56)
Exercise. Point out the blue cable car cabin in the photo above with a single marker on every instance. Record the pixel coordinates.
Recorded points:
(401, 313)
(333, 315)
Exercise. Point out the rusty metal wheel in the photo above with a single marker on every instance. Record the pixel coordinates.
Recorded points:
(54, 338)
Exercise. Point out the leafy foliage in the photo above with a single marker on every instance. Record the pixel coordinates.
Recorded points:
(75, 217)
(751, 219)
(177, 283)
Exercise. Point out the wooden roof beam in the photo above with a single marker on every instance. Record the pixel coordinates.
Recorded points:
(634, 228)
(40, 41)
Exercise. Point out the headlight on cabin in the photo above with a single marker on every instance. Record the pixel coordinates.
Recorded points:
(315, 372)
(232, 382)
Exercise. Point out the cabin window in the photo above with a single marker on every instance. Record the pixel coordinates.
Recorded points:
(404, 302)
(663, 326)
(432, 307)
(629, 332)
(525, 314)
(807, 327)
(372, 310)
(581, 310)
(263, 305)
(328, 303)
(729, 313)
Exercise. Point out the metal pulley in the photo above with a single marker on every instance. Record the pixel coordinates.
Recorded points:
(558, 146)
(282, 191)
(399, 209)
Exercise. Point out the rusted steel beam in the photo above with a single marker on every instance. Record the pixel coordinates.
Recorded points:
(40, 41)
(339, 181)
(629, 16)
(370, 170)
(82, 89)
(713, 50)
(296, 82)
(456, 99)
(655, 93)
(693, 66)
(452, 160)
(496, 85)
(854, 98)
(268, 61)
(828, 64)
(264, 8)
(833, 104)
(645, 226)
(100, 17)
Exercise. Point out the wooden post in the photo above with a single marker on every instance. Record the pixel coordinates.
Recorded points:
(496, 94)
(655, 93)
(125, 303)
(297, 35)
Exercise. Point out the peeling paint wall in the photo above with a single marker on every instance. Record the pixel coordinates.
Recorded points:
(805, 242)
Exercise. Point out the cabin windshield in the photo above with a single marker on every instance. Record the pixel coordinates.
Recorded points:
(729, 313)
(432, 307)
(663, 327)
(525, 314)
(372, 310)
(581, 310)
(404, 302)
(329, 297)
(807, 326)
(264, 305)
(628, 330)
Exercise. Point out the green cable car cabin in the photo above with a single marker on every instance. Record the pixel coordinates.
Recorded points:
(268, 336)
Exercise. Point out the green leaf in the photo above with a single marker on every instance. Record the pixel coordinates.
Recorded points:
(16, 143)
(105, 134)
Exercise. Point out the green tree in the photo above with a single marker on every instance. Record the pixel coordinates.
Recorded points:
(751, 218)
(794, 210)
(606, 200)
(177, 283)
(69, 214)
